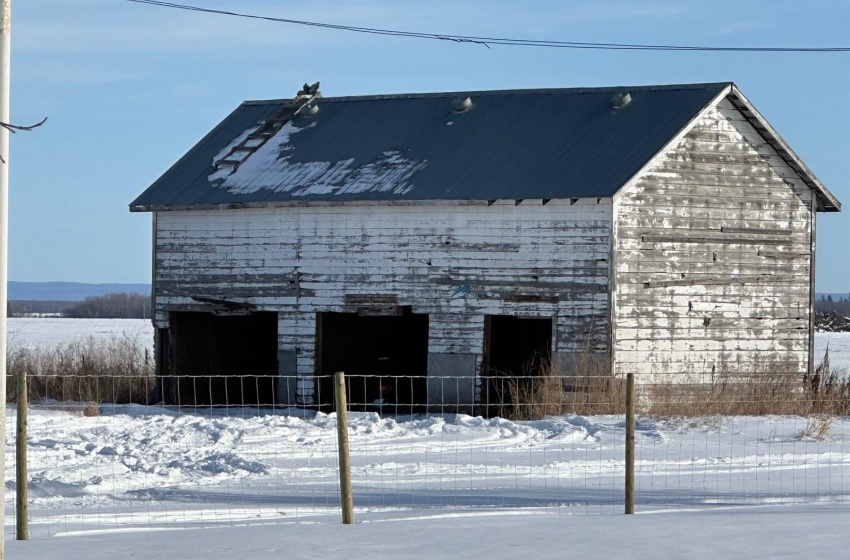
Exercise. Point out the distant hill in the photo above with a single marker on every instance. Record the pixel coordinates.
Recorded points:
(69, 291)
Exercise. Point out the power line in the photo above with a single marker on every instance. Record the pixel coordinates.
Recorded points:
(487, 41)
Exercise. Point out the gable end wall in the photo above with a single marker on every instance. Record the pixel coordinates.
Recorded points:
(713, 258)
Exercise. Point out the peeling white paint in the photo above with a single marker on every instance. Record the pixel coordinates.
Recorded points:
(559, 250)
(714, 316)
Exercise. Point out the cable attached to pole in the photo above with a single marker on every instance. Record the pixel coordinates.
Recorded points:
(487, 41)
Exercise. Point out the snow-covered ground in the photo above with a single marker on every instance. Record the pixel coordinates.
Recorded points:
(428, 488)
(50, 331)
(777, 532)
(839, 348)
(425, 487)
(135, 467)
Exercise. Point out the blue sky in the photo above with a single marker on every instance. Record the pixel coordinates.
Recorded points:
(129, 88)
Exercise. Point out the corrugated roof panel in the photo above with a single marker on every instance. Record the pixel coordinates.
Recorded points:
(528, 144)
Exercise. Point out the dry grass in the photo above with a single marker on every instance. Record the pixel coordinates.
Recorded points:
(752, 394)
(546, 390)
(828, 389)
(120, 370)
(817, 427)
(589, 388)
(593, 389)
(89, 371)
(532, 398)
(765, 390)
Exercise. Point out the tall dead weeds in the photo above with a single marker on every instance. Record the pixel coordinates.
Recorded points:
(589, 388)
(768, 388)
(118, 371)
(586, 387)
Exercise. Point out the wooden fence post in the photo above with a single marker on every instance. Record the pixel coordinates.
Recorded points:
(22, 531)
(346, 499)
(630, 443)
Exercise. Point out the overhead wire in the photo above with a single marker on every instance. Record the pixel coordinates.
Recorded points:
(487, 41)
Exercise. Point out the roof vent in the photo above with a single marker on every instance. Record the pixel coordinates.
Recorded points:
(464, 105)
(620, 100)
(308, 90)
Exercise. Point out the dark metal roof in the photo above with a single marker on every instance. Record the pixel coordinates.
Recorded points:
(523, 144)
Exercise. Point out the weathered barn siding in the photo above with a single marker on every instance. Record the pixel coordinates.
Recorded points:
(456, 262)
(714, 250)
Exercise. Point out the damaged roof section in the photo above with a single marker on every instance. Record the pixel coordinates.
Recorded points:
(523, 144)
(275, 167)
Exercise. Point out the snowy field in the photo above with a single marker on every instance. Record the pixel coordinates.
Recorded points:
(839, 348)
(29, 332)
(426, 487)
(775, 533)
(262, 484)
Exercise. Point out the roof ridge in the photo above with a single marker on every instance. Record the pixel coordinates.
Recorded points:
(497, 92)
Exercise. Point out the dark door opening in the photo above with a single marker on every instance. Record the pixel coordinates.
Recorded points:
(517, 350)
(517, 346)
(385, 360)
(221, 360)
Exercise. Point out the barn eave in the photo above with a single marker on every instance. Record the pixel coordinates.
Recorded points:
(827, 202)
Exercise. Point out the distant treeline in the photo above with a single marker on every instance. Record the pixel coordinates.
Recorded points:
(830, 304)
(111, 306)
(21, 307)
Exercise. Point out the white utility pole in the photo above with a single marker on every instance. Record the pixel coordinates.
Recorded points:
(5, 49)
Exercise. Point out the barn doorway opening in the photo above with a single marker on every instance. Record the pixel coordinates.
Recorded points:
(517, 346)
(385, 360)
(516, 351)
(221, 360)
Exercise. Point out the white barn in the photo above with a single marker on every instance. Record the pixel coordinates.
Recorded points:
(438, 236)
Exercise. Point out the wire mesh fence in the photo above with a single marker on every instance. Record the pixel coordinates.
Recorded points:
(129, 449)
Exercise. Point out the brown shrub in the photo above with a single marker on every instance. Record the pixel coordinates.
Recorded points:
(752, 394)
(589, 388)
(546, 389)
(117, 370)
(532, 398)
(593, 389)
(767, 389)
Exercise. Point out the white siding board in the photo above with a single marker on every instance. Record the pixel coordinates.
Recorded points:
(422, 255)
(735, 302)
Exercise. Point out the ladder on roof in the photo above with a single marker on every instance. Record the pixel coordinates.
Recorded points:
(267, 128)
